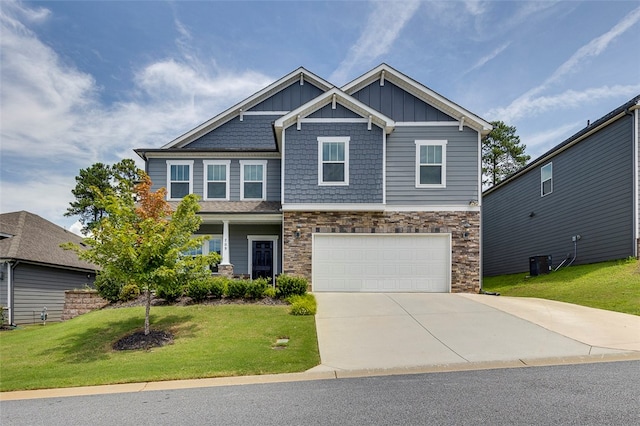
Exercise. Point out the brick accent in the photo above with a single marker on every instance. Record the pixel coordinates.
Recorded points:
(225, 270)
(464, 227)
(78, 302)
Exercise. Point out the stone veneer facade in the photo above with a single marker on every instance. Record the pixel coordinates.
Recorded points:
(78, 302)
(464, 227)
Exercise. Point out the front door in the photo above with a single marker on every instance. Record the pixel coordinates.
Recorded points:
(262, 259)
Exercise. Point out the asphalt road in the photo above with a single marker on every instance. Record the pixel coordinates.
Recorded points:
(587, 394)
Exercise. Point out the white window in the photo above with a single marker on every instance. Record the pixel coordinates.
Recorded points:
(546, 179)
(216, 179)
(431, 164)
(253, 180)
(333, 160)
(179, 179)
(212, 245)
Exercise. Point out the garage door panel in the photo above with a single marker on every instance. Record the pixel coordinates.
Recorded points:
(375, 262)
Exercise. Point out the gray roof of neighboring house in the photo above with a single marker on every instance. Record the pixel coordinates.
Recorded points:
(34, 239)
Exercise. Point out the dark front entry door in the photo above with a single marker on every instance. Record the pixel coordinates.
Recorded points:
(262, 259)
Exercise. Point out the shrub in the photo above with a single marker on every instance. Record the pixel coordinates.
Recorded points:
(302, 305)
(129, 292)
(170, 290)
(270, 292)
(288, 285)
(237, 289)
(218, 286)
(108, 289)
(256, 288)
(197, 290)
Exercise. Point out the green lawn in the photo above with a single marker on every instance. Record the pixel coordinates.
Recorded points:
(614, 286)
(209, 341)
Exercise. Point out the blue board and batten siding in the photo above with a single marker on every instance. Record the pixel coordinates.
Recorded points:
(592, 197)
(365, 164)
(157, 170)
(462, 182)
(398, 104)
(289, 98)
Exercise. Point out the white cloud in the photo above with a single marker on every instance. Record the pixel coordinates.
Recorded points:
(528, 107)
(482, 61)
(384, 25)
(531, 103)
(539, 142)
(53, 119)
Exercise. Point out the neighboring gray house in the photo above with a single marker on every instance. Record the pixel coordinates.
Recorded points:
(34, 270)
(579, 200)
(374, 186)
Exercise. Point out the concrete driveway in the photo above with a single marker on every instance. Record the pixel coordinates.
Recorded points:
(381, 331)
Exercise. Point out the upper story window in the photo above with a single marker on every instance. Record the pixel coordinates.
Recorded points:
(546, 179)
(333, 160)
(431, 164)
(216, 179)
(253, 179)
(179, 179)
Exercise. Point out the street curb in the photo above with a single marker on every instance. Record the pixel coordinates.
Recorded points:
(322, 372)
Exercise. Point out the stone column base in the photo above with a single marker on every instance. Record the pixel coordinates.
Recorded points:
(226, 270)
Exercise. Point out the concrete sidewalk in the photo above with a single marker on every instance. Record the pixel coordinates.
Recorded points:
(382, 331)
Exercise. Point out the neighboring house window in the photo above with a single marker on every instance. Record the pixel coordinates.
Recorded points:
(333, 160)
(431, 164)
(179, 179)
(546, 179)
(216, 180)
(253, 180)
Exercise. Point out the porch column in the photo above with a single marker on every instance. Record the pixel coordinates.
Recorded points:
(225, 243)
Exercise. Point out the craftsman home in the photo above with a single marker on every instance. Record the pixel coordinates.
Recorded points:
(577, 203)
(374, 186)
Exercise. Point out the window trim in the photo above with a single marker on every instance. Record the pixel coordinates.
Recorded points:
(205, 173)
(263, 163)
(333, 139)
(443, 164)
(169, 181)
(550, 179)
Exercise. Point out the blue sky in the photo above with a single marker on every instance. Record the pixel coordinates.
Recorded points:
(88, 81)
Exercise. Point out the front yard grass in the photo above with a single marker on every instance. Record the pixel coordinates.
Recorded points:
(209, 341)
(614, 286)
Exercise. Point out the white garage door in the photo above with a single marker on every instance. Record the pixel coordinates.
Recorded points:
(376, 263)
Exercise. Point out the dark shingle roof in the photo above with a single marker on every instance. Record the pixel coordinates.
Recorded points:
(34, 239)
(236, 206)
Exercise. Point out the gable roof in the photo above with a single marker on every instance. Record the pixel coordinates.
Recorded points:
(34, 239)
(385, 72)
(386, 123)
(591, 128)
(299, 74)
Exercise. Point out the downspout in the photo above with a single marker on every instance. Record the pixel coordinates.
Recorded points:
(9, 288)
(634, 112)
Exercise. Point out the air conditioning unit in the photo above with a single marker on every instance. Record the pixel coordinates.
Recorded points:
(539, 265)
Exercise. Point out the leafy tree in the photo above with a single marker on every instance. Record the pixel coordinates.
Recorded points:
(145, 243)
(502, 154)
(117, 179)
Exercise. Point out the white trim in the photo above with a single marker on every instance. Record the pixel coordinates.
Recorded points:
(384, 168)
(179, 163)
(326, 207)
(235, 218)
(421, 92)
(262, 163)
(480, 239)
(443, 171)
(426, 123)
(636, 207)
(333, 139)
(265, 112)
(334, 120)
(205, 173)
(272, 238)
(542, 194)
(282, 170)
(459, 208)
(225, 257)
(210, 155)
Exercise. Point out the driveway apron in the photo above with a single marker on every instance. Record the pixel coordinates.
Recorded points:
(364, 331)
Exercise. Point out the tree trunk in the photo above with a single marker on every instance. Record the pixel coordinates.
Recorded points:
(146, 314)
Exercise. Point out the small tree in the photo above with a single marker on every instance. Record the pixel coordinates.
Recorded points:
(118, 179)
(146, 244)
(502, 154)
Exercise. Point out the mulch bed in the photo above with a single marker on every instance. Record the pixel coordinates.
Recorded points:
(139, 340)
